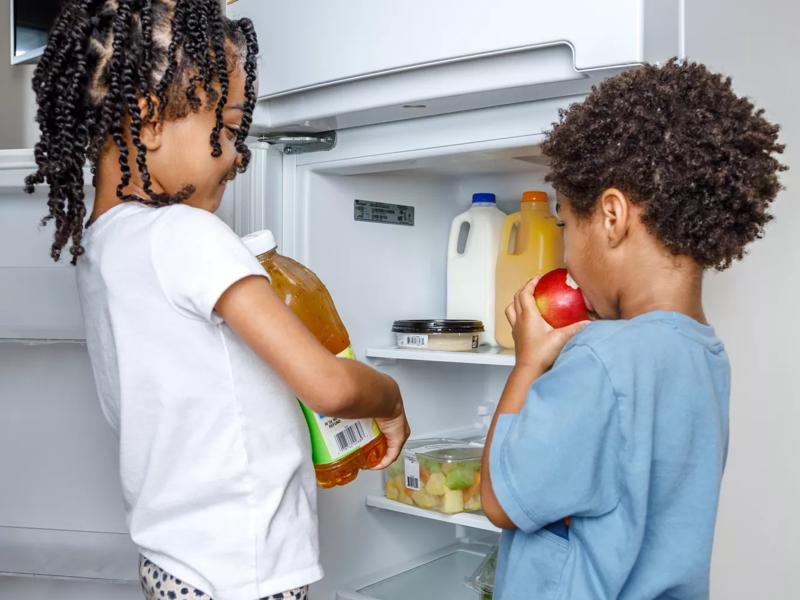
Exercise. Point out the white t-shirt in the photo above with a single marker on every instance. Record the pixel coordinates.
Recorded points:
(215, 456)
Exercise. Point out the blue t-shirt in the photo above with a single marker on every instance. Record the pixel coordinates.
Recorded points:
(628, 435)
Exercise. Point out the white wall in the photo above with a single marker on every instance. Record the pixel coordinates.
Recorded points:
(17, 110)
(754, 308)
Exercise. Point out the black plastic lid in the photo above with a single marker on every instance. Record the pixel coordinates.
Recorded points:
(437, 326)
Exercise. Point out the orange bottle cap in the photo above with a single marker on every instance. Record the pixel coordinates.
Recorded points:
(534, 196)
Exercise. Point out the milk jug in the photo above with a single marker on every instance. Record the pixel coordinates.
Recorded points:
(471, 269)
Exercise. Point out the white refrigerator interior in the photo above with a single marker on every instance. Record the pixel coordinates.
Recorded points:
(378, 273)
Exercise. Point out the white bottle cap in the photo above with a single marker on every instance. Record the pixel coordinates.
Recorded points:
(260, 242)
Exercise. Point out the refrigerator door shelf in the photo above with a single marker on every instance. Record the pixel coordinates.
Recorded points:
(52, 554)
(40, 297)
(437, 575)
(14, 587)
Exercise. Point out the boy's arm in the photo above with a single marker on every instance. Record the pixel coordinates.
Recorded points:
(537, 347)
(511, 402)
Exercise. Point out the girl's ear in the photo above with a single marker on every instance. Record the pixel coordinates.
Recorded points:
(152, 125)
(615, 209)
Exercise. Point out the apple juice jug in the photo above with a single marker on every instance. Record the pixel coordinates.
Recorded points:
(531, 244)
(339, 447)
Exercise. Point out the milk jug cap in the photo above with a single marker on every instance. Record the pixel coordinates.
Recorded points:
(484, 198)
(534, 196)
(260, 242)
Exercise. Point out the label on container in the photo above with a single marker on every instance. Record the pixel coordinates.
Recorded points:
(412, 472)
(412, 340)
(381, 212)
(333, 438)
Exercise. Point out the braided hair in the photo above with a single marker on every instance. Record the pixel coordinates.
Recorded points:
(102, 57)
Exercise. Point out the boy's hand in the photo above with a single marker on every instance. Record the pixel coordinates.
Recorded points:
(537, 343)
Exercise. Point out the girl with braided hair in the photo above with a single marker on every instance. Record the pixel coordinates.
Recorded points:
(196, 359)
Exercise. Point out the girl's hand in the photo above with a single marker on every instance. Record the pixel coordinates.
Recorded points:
(537, 343)
(396, 430)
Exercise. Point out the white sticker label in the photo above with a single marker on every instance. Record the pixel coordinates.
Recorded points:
(412, 341)
(571, 282)
(344, 436)
(412, 472)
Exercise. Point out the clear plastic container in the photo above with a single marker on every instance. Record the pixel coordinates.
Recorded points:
(482, 580)
(447, 335)
(437, 474)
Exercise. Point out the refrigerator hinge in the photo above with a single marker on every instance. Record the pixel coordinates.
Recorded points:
(300, 143)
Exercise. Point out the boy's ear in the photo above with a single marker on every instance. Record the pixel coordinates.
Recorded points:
(152, 125)
(615, 209)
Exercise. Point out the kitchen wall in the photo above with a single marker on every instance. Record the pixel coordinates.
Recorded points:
(17, 126)
(754, 308)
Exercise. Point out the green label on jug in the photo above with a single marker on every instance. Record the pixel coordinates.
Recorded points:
(332, 438)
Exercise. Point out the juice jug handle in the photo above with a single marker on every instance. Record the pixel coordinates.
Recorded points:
(508, 227)
(455, 233)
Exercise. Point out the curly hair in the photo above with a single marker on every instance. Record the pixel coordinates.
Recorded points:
(102, 57)
(677, 140)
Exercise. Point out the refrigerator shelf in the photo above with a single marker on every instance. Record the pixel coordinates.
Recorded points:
(472, 520)
(435, 576)
(16, 586)
(85, 557)
(485, 355)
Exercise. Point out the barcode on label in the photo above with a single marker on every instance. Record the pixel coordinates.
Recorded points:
(350, 436)
(415, 341)
(411, 466)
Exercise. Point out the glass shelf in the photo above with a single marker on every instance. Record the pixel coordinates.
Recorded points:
(485, 355)
(473, 520)
(436, 576)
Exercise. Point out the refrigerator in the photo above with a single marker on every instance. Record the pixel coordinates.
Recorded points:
(366, 112)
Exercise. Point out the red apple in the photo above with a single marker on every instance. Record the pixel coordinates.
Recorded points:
(559, 299)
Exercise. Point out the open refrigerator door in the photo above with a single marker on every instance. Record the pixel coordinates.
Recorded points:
(383, 269)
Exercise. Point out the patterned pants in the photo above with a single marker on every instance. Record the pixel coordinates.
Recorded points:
(157, 584)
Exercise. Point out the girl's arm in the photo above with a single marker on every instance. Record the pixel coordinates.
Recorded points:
(335, 387)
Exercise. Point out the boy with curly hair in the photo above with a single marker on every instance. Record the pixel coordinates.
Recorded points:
(622, 424)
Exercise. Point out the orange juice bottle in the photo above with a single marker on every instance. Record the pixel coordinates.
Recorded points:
(531, 244)
(339, 447)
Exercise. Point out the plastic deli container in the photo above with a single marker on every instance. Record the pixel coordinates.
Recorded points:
(453, 335)
(482, 580)
(437, 474)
